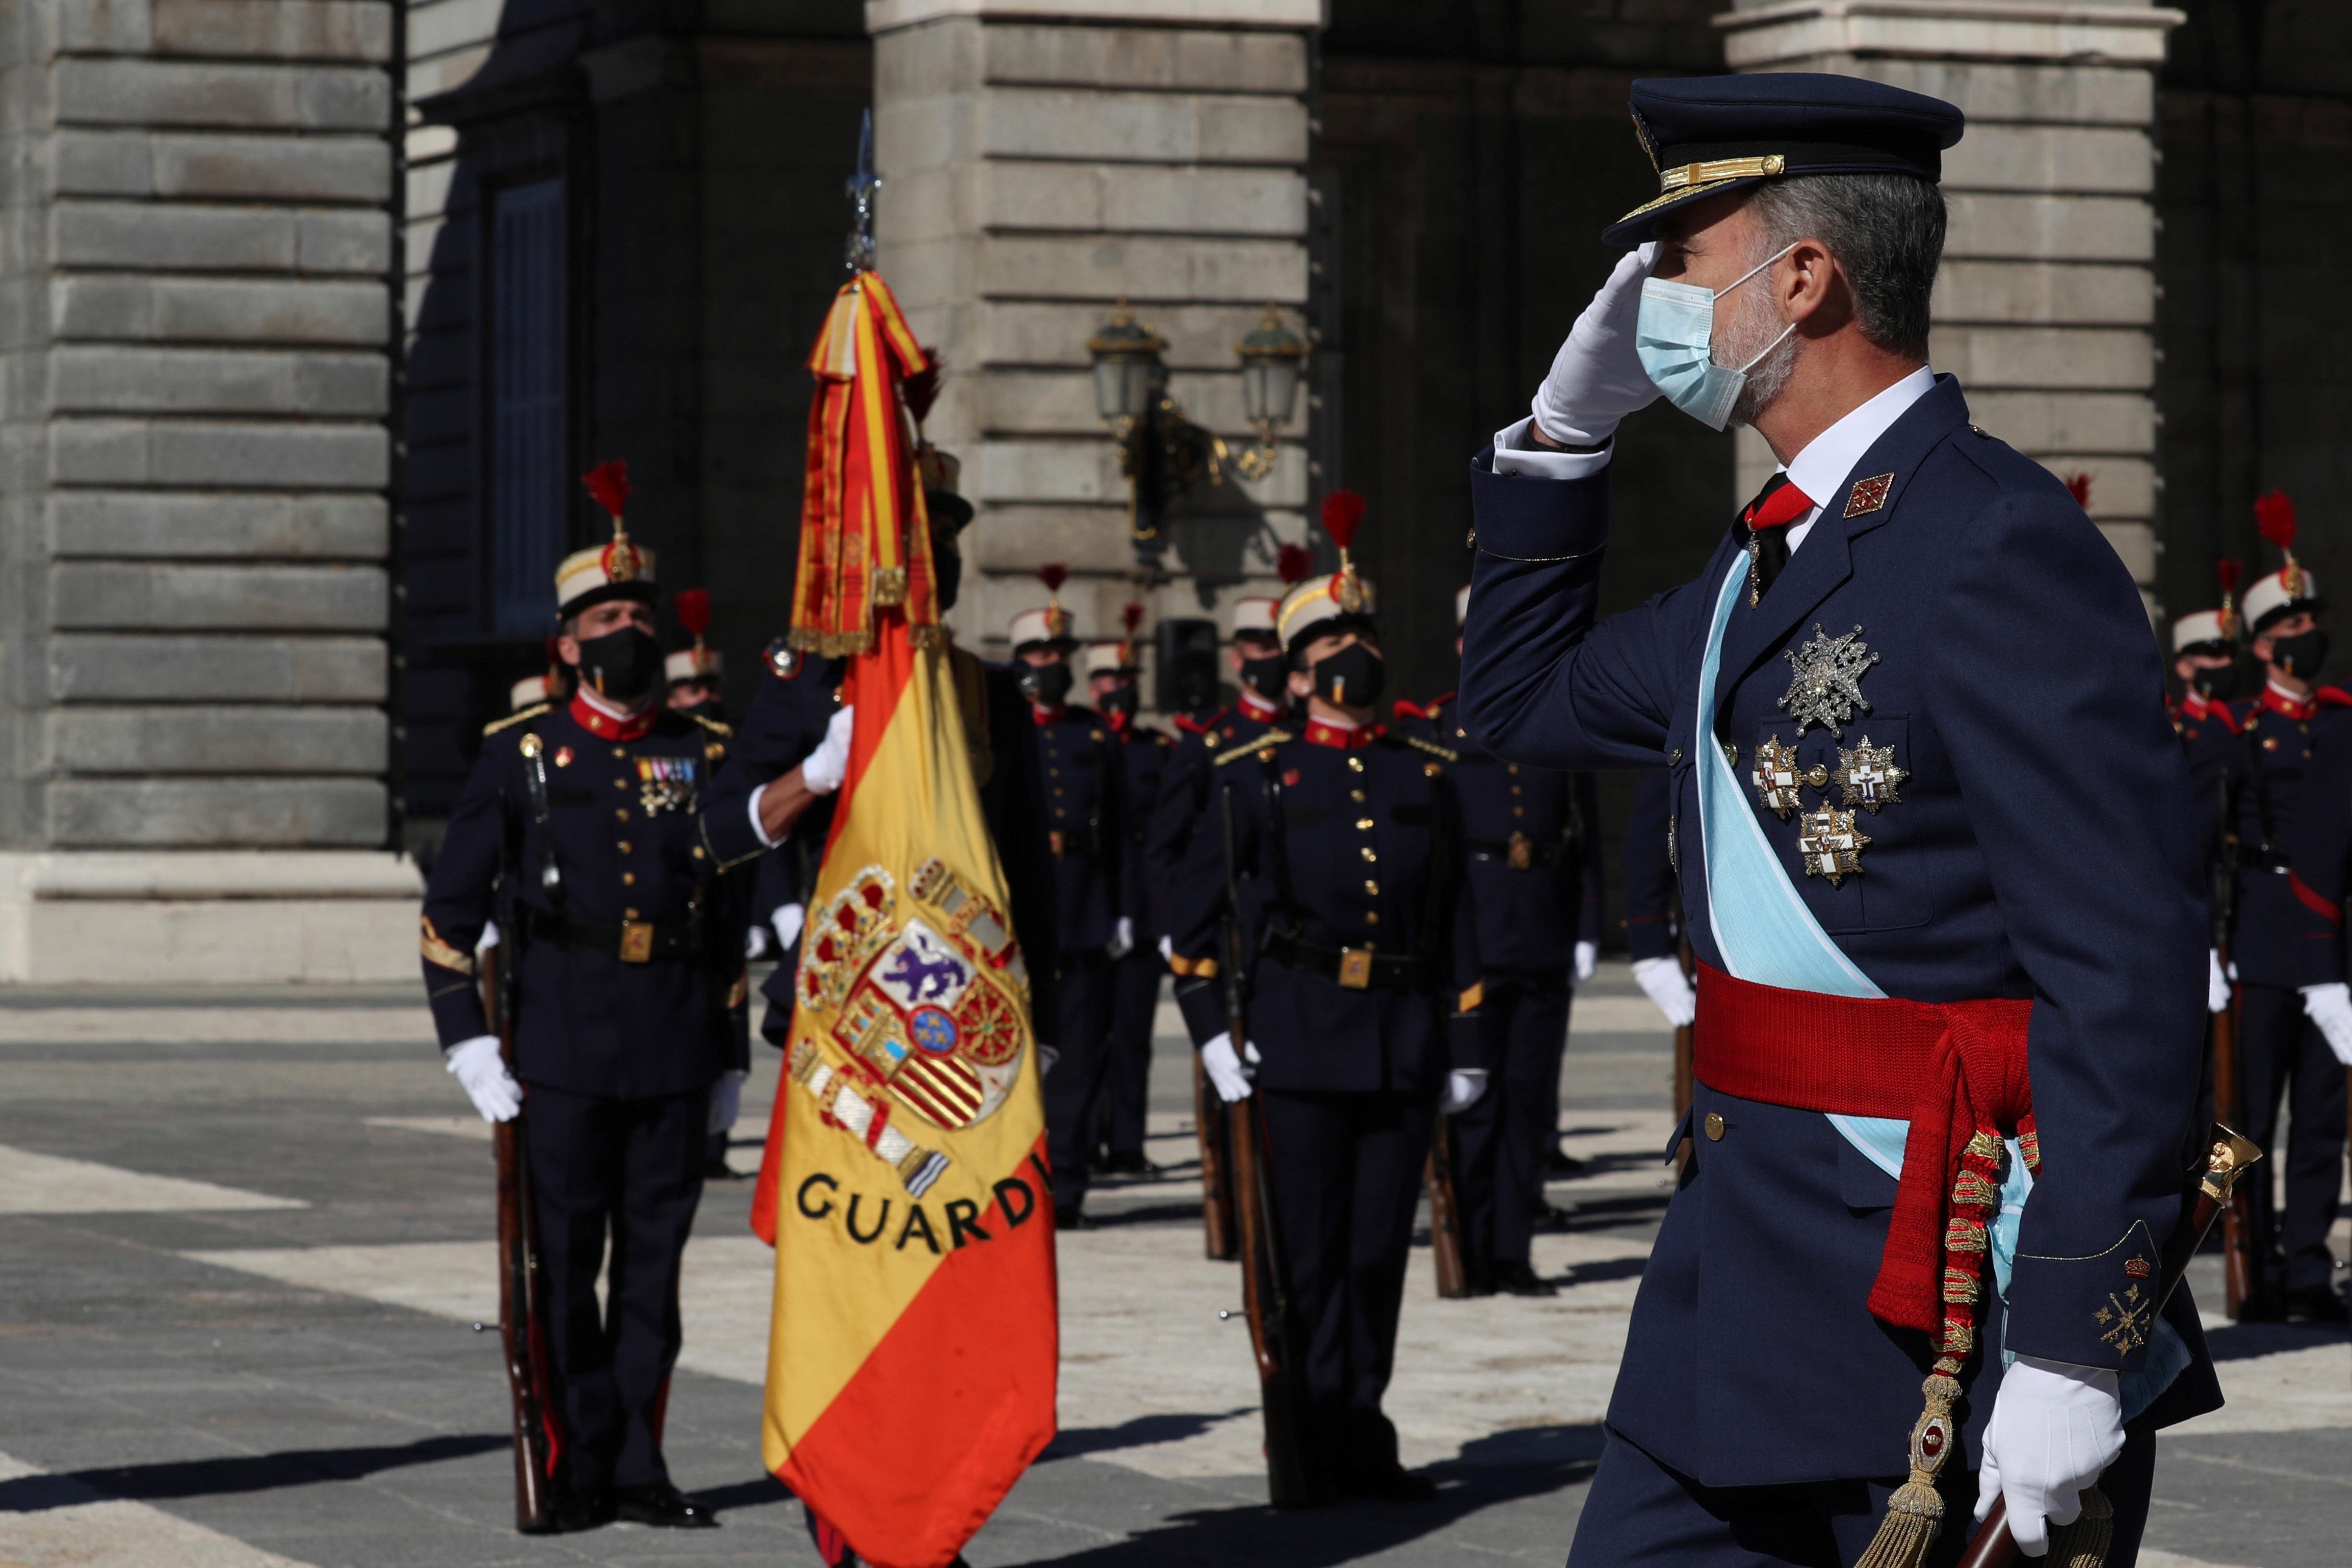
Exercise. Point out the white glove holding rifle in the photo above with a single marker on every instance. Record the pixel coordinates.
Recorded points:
(1229, 1072)
(481, 1072)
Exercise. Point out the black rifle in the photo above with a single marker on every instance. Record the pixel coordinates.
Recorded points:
(1291, 1474)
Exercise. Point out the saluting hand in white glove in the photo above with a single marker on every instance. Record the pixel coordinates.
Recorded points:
(1597, 377)
(2055, 1426)
(1229, 1073)
(481, 1072)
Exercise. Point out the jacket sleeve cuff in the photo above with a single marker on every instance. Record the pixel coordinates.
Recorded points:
(457, 1003)
(1543, 521)
(1648, 936)
(728, 832)
(1203, 1003)
(1466, 1043)
(2097, 1310)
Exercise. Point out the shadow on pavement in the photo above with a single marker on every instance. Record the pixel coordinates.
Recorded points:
(753, 1493)
(2243, 1342)
(1073, 1443)
(226, 1476)
(1504, 1468)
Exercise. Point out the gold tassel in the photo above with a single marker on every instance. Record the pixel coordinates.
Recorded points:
(1915, 1514)
(2085, 1542)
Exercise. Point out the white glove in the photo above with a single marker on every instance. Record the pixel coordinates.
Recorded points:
(788, 920)
(1662, 981)
(1229, 1073)
(489, 937)
(1588, 959)
(2330, 1007)
(1597, 377)
(1122, 938)
(2055, 1426)
(726, 1101)
(1047, 1057)
(823, 769)
(1463, 1088)
(482, 1073)
(755, 942)
(2217, 984)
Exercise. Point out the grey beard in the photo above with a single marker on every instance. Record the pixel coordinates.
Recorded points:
(1769, 375)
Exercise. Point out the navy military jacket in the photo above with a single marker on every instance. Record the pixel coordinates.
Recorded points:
(1143, 755)
(2281, 936)
(1649, 874)
(1085, 822)
(1183, 796)
(787, 721)
(1529, 836)
(1341, 846)
(625, 835)
(2041, 847)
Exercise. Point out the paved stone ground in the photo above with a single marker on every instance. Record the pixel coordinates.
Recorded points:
(244, 1242)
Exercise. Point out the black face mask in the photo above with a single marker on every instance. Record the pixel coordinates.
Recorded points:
(1268, 677)
(2216, 684)
(622, 666)
(1046, 685)
(707, 706)
(946, 567)
(1119, 702)
(2300, 655)
(1352, 677)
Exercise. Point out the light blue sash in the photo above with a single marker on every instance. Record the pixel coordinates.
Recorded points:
(1767, 936)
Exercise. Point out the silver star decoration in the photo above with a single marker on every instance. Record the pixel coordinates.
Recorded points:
(1827, 686)
(1869, 777)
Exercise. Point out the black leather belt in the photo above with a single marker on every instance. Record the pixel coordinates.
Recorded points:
(1519, 852)
(631, 941)
(1355, 968)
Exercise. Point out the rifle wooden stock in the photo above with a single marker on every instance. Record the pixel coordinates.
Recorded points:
(519, 1342)
(1445, 1217)
(2226, 1159)
(2237, 1231)
(1217, 1232)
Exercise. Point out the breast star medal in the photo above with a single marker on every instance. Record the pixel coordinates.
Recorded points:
(1827, 685)
(1830, 844)
(1780, 782)
(1868, 777)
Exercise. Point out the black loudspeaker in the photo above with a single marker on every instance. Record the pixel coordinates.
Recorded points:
(1184, 677)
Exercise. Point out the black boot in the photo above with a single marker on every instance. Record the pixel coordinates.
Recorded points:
(664, 1507)
(1514, 1277)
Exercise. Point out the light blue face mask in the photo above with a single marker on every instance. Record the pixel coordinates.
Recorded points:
(1673, 335)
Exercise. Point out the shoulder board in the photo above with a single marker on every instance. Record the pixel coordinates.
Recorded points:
(1431, 747)
(724, 732)
(1252, 748)
(511, 719)
(1192, 726)
(2333, 696)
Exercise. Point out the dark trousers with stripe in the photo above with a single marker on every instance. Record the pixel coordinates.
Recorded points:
(630, 1170)
(1500, 1142)
(1074, 1089)
(1642, 1514)
(1127, 1090)
(2282, 1056)
(1345, 1172)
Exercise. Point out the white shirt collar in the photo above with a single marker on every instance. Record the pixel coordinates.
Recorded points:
(1831, 455)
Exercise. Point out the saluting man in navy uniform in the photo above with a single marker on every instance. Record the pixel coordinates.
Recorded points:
(1086, 827)
(1143, 753)
(1347, 847)
(1934, 841)
(582, 827)
(1529, 836)
(2295, 1015)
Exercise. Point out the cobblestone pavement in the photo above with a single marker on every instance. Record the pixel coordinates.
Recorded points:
(244, 1240)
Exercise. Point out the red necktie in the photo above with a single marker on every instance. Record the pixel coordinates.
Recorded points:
(1777, 505)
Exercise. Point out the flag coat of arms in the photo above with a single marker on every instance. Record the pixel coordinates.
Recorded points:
(913, 1344)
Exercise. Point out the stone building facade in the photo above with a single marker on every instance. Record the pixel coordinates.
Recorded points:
(313, 310)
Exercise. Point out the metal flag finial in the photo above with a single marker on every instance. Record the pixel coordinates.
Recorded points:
(862, 187)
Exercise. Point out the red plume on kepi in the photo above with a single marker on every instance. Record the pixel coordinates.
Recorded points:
(1292, 562)
(1053, 575)
(2079, 486)
(2274, 515)
(1131, 616)
(1343, 512)
(609, 483)
(2226, 572)
(694, 611)
(1057, 619)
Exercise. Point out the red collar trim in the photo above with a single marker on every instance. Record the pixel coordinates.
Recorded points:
(2192, 706)
(1042, 717)
(1353, 739)
(1192, 726)
(606, 728)
(2288, 706)
(1118, 721)
(1257, 706)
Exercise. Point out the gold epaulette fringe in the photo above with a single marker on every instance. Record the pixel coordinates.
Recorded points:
(1254, 748)
(495, 725)
(724, 732)
(1431, 747)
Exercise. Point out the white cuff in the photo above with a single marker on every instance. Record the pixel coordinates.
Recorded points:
(757, 831)
(1516, 452)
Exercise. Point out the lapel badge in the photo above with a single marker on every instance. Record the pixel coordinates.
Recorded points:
(1780, 782)
(562, 756)
(1868, 495)
(1830, 844)
(1826, 687)
(1868, 777)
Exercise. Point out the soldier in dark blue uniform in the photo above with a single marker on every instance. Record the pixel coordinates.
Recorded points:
(1529, 834)
(583, 829)
(1653, 937)
(1263, 675)
(1085, 822)
(2205, 658)
(1348, 849)
(1134, 974)
(1935, 847)
(2287, 942)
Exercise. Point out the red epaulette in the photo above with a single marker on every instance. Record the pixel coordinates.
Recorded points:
(2229, 720)
(1192, 726)
(1406, 708)
(2332, 697)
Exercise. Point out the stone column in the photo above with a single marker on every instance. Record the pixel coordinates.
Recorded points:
(1043, 160)
(196, 311)
(2045, 308)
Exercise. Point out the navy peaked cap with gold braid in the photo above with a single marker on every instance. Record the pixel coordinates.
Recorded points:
(1709, 134)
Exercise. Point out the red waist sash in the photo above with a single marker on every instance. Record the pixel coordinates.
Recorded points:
(1955, 1070)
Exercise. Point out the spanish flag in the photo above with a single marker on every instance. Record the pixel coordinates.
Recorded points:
(913, 1345)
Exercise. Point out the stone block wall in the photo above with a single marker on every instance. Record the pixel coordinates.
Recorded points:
(196, 325)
